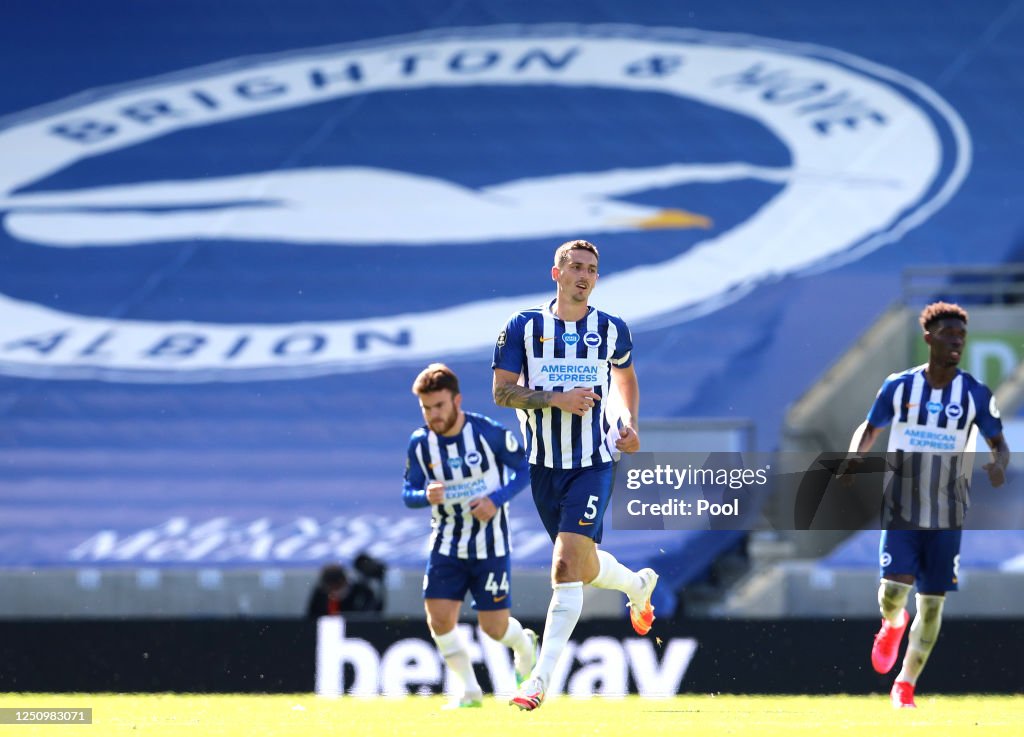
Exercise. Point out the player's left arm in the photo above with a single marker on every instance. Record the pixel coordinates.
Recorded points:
(1000, 460)
(509, 451)
(990, 424)
(628, 386)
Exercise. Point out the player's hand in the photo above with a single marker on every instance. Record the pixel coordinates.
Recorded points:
(848, 469)
(435, 492)
(996, 474)
(482, 508)
(576, 401)
(629, 440)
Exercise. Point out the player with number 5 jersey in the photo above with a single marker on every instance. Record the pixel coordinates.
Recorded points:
(466, 467)
(556, 365)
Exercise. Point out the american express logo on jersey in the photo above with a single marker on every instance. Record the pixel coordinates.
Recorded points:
(570, 371)
(918, 439)
(456, 490)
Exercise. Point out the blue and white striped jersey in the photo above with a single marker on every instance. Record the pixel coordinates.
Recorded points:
(484, 459)
(929, 435)
(550, 354)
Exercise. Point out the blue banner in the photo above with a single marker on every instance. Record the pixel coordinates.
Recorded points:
(232, 234)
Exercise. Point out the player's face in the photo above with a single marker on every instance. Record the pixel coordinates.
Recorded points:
(576, 278)
(441, 410)
(946, 340)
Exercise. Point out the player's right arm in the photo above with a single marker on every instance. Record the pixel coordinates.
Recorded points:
(414, 488)
(855, 461)
(510, 361)
(879, 417)
(868, 438)
(508, 392)
(882, 412)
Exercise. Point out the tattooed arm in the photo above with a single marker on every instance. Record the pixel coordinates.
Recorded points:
(509, 393)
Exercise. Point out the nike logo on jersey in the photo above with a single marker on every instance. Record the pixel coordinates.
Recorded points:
(499, 599)
(545, 340)
(909, 406)
(585, 524)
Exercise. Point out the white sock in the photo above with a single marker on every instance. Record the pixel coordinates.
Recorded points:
(516, 639)
(563, 614)
(614, 575)
(924, 631)
(892, 599)
(455, 655)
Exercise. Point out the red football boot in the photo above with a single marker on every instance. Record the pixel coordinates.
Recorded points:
(887, 643)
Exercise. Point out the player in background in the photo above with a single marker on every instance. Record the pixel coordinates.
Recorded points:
(931, 408)
(466, 467)
(555, 364)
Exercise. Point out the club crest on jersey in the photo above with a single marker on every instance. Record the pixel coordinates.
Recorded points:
(570, 338)
(875, 151)
(473, 458)
(953, 411)
(592, 339)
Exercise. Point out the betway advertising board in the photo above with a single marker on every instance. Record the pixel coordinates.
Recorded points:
(369, 655)
(611, 665)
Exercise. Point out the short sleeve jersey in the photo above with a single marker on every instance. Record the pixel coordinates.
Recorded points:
(550, 354)
(930, 428)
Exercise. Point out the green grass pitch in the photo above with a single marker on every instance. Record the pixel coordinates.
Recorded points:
(414, 716)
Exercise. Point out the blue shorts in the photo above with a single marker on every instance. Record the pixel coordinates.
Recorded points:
(572, 499)
(931, 556)
(488, 579)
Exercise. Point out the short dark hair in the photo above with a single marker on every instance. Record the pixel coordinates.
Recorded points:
(333, 574)
(940, 310)
(562, 252)
(435, 378)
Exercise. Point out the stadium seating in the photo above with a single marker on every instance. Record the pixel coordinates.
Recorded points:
(139, 218)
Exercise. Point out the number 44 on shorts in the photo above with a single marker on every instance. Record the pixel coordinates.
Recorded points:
(497, 590)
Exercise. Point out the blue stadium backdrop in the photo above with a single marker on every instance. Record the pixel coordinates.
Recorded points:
(233, 232)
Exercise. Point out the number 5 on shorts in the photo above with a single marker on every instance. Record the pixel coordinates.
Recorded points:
(591, 512)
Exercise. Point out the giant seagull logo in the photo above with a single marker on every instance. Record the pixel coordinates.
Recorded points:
(873, 153)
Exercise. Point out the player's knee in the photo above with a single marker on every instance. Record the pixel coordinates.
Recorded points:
(440, 628)
(564, 570)
(893, 593)
(494, 629)
(440, 625)
(930, 608)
